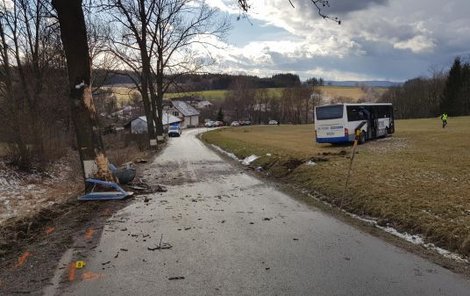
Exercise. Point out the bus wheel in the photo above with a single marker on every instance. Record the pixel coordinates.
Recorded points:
(362, 138)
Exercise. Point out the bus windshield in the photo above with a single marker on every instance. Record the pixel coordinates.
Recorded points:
(329, 112)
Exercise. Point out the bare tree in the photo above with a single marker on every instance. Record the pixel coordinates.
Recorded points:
(156, 42)
(85, 119)
(240, 99)
(262, 106)
(318, 4)
(32, 62)
(131, 44)
(176, 27)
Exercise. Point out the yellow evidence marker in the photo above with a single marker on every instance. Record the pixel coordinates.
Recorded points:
(79, 264)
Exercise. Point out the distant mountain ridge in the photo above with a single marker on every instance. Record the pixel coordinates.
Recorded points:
(201, 82)
(371, 83)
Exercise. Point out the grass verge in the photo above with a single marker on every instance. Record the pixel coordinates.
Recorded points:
(415, 181)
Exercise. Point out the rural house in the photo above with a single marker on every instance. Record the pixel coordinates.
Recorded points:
(139, 125)
(188, 114)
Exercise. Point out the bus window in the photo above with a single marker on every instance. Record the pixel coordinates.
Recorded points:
(329, 112)
(355, 113)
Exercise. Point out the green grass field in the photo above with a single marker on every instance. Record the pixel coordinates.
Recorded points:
(417, 180)
(123, 94)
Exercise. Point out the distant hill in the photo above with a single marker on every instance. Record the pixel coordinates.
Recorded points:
(204, 82)
(372, 83)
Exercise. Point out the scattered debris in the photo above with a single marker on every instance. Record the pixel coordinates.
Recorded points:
(176, 278)
(311, 163)
(266, 219)
(164, 246)
(161, 245)
(146, 199)
(160, 188)
(138, 188)
(105, 263)
(223, 221)
(248, 160)
(296, 239)
(124, 250)
(267, 268)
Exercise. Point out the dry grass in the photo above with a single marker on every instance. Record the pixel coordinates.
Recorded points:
(3, 149)
(340, 91)
(123, 94)
(417, 180)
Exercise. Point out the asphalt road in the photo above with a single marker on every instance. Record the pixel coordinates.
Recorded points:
(232, 234)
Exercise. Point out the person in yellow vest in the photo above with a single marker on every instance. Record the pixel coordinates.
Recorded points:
(444, 119)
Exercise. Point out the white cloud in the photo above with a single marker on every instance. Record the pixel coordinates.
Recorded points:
(378, 39)
(417, 44)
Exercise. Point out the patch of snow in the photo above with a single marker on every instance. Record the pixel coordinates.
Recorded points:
(249, 159)
(80, 85)
(22, 193)
(231, 155)
(311, 163)
(268, 154)
(414, 239)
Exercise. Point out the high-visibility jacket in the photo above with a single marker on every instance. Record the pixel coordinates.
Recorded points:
(444, 116)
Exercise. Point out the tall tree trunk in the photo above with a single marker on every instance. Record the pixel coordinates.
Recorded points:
(74, 39)
(147, 100)
(159, 91)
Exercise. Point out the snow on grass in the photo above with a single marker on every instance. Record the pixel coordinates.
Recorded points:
(412, 238)
(246, 161)
(22, 193)
(231, 155)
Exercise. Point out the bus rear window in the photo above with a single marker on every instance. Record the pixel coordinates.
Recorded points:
(329, 112)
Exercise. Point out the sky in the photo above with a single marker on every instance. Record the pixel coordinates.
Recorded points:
(392, 40)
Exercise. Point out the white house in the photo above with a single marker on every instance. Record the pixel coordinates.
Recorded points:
(187, 113)
(139, 125)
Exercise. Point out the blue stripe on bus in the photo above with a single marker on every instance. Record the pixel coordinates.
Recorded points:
(343, 139)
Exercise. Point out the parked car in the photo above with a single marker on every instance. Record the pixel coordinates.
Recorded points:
(210, 123)
(273, 122)
(174, 131)
(245, 122)
(235, 123)
(219, 123)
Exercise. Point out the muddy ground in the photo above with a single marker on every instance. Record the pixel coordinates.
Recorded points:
(31, 247)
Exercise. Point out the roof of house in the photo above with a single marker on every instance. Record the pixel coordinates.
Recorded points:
(184, 108)
(167, 119)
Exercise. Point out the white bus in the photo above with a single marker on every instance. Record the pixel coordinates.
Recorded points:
(337, 123)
